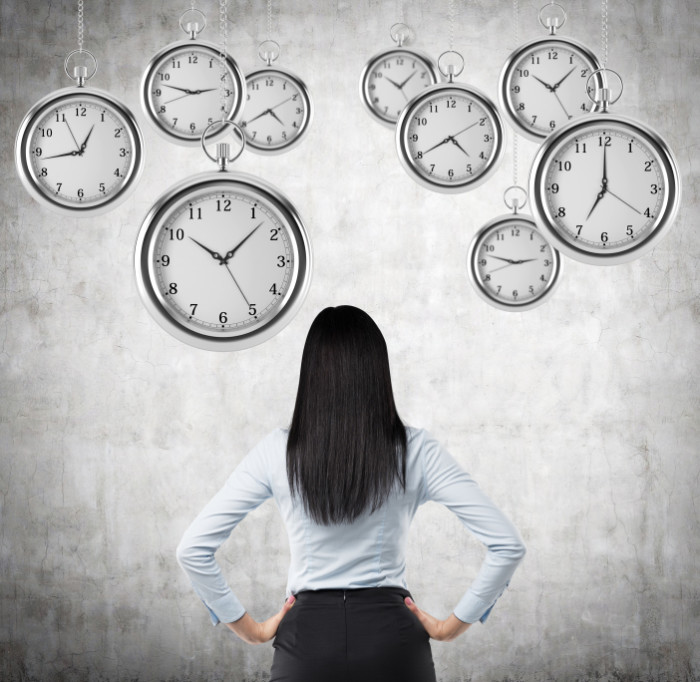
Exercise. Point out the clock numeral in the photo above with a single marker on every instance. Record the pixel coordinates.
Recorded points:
(521, 106)
(584, 73)
(515, 294)
(543, 248)
(176, 63)
(554, 189)
(534, 120)
(193, 59)
(605, 141)
(273, 290)
(178, 234)
(647, 166)
(564, 165)
(252, 213)
(164, 260)
(489, 247)
(580, 147)
(483, 262)
(531, 289)
(118, 132)
(552, 54)
(81, 111)
(654, 189)
(487, 138)
(630, 231)
(523, 73)
(252, 310)
(224, 205)
(81, 193)
(194, 307)
(58, 187)
(552, 125)
(43, 172)
(451, 103)
(500, 237)
(516, 89)
(223, 317)
(172, 288)
(269, 82)
(281, 261)
(273, 234)
(102, 187)
(123, 152)
(164, 76)
(534, 59)
(469, 168)
(195, 213)
(117, 173)
(60, 117)
(578, 231)
(451, 173)
(647, 213)
(422, 121)
(162, 109)
(561, 212)
(46, 132)
(515, 232)
(193, 126)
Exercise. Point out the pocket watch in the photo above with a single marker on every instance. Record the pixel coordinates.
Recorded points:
(511, 264)
(605, 188)
(184, 89)
(450, 137)
(543, 83)
(222, 260)
(79, 150)
(278, 108)
(393, 77)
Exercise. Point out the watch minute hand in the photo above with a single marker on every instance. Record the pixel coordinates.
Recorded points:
(211, 252)
(408, 79)
(231, 253)
(546, 85)
(85, 141)
(561, 80)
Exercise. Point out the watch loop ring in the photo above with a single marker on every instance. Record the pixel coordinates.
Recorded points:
(451, 64)
(80, 71)
(223, 158)
(514, 192)
(193, 22)
(552, 16)
(401, 33)
(268, 51)
(601, 91)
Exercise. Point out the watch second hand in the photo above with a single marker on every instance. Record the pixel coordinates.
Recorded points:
(612, 194)
(71, 134)
(238, 286)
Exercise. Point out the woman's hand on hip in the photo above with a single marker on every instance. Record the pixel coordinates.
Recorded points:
(440, 630)
(253, 632)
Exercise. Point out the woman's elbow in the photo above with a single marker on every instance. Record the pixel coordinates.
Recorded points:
(184, 552)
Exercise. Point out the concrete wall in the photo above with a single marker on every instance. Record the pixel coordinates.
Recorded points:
(580, 417)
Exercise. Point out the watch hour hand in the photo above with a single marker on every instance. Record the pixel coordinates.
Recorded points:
(275, 116)
(56, 156)
(394, 83)
(260, 115)
(546, 85)
(175, 87)
(510, 261)
(211, 252)
(407, 79)
(83, 146)
(459, 146)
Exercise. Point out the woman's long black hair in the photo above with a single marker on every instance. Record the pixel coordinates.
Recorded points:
(347, 446)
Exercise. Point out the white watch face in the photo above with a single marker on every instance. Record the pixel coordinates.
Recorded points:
(511, 264)
(606, 189)
(277, 110)
(183, 88)
(392, 79)
(79, 151)
(219, 262)
(543, 85)
(450, 138)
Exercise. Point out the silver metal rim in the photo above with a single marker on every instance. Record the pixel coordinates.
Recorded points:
(402, 142)
(306, 121)
(227, 341)
(147, 83)
(537, 187)
(22, 153)
(365, 96)
(504, 98)
(472, 270)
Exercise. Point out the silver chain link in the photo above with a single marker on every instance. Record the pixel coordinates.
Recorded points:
(81, 25)
(452, 24)
(516, 40)
(604, 31)
(223, 29)
(269, 19)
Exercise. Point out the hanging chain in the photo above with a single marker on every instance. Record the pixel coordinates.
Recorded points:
(604, 30)
(516, 41)
(269, 19)
(452, 24)
(223, 28)
(81, 25)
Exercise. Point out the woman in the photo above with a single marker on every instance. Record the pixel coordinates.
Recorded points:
(348, 477)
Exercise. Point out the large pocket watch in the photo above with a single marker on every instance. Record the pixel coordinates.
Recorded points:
(543, 82)
(184, 89)
(392, 78)
(79, 150)
(278, 108)
(450, 137)
(223, 261)
(510, 263)
(605, 188)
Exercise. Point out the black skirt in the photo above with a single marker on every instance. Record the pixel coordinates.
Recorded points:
(365, 635)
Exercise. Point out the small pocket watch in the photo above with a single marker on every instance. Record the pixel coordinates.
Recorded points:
(510, 263)
(79, 150)
(393, 77)
(450, 137)
(543, 83)
(605, 188)
(278, 108)
(222, 260)
(184, 90)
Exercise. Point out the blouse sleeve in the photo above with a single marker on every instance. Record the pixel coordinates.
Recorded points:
(447, 483)
(245, 490)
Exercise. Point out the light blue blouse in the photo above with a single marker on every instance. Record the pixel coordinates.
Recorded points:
(370, 552)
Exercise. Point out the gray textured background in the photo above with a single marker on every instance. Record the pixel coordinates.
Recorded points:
(580, 417)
